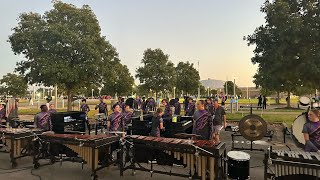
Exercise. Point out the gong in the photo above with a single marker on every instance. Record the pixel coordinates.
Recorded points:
(252, 127)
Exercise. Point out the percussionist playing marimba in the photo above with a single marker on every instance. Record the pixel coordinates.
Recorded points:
(203, 124)
(43, 119)
(116, 121)
(311, 132)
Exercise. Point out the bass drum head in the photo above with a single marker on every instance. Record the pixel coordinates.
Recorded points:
(297, 127)
(304, 101)
(238, 156)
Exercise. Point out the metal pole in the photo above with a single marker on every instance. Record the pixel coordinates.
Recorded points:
(234, 87)
(34, 92)
(174, 92)
(56, 96)
(247, 92)
(92, 93)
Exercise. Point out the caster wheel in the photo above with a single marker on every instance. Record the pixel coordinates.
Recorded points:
(14, 164)
(95, 177)
(133, 173)
(36, 165)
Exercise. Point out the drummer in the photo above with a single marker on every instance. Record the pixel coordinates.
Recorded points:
(311, 132)
(167, 111)
(203, 124)
(191, 108)
(157, 123)
(127, 114)
(177, 107)
(115, 121)
(43, 119)
(209, 106)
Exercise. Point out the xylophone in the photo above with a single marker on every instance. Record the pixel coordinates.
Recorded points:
(292, 165)
(18, 142)
(92, 149)
(198, 156)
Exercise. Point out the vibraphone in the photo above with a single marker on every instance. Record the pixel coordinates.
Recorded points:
(18, 142)
(198, 156)
(90, 148)
(281, 164)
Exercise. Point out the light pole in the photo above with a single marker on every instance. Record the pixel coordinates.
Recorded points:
(234, 87)
(56, 96)
(208, 90)
(92, 93)
(174, 92)
(247, 92)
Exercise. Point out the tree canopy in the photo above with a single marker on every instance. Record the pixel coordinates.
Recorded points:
(13, 84)
(63, 46)
(157, 72)
(230, 86)
(187, 78)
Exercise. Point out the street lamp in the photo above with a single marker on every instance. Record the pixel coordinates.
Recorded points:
(234, 87)
(208, 88)
(174, 92)
(92, 93)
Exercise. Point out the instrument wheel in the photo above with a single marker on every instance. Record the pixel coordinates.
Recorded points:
(36, 165)
(133, 173)
(95, 177)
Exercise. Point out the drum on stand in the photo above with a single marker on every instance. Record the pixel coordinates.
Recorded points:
(304, 101)
(297, 127)
(238, 165)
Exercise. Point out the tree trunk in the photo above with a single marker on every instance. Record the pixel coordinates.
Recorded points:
(69, 94)
(288, 100)
(278, 98)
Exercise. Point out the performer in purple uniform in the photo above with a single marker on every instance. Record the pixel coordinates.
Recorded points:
(84, 106)
(167, 111)
(151, 105)
(2, 112)
(311, 132)
(191, 108)
(127, 114)
(203, 124)
(102, 106)
(209, 106)
(157, 123)
(177, 107)
(43, 119)
(116, 121)
(52, 109)
(137, 103)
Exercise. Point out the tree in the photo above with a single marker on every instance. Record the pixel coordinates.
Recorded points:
(119, 82)
(63, 46)
(157, 72)
(230, 84)
(15, 85)
(187, 78)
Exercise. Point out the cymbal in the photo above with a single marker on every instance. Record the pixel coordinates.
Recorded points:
(252, 127)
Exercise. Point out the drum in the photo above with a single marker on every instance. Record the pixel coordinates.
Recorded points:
(297, 127)
(304, 101)
(238, 165)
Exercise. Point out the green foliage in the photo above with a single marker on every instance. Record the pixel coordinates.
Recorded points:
(230, 86)
(13, 84)
(157, 72)
(63, 46)
(188, 78)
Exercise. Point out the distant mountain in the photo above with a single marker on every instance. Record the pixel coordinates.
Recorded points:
(212, 83)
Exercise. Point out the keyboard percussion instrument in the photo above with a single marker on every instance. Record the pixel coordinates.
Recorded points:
(197, 156)
(18, 142)
(282, 164)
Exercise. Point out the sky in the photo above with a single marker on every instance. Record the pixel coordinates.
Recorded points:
(208, 31)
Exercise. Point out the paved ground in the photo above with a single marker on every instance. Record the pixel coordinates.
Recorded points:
(73, 171)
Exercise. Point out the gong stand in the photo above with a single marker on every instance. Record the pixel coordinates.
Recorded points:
(251, 127)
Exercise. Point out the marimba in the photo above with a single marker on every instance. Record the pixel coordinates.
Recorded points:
(292, 165)
(18, 142)
(198, 156)
(90, 148)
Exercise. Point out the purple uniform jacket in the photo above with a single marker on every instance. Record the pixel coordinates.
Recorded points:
(167, 111)
(122, 105)
(84, 108)
(190, 110)
(313, 129)
(210, 108)
(137, 103)
(155, 130)
(116, 122)
(2, 113)
(151, 105)
(127, 117)
(203, 124)
(102, 107)
(177, 108)
(52, 111)
(43, 121)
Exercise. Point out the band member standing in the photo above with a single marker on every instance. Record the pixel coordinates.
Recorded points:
(209, 106)
(177, 107)
(167, 111)
(84, 106)
(219, 120)
(116, 121)
(203, 124)
(143, 104)
(264, 102)
(102, 106)
(52, 109)
(151, 105)
(191, 108)
(311, 132)
(2, 112)
(127, 115)
(157, 123)
(137, 103)
(259, 101)
(43, 119)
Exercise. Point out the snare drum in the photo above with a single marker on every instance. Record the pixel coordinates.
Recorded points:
(238, 165)
(304, 101)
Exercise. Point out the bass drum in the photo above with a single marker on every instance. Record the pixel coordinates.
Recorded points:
(297, 127)
(238, 165)
(304, 101)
